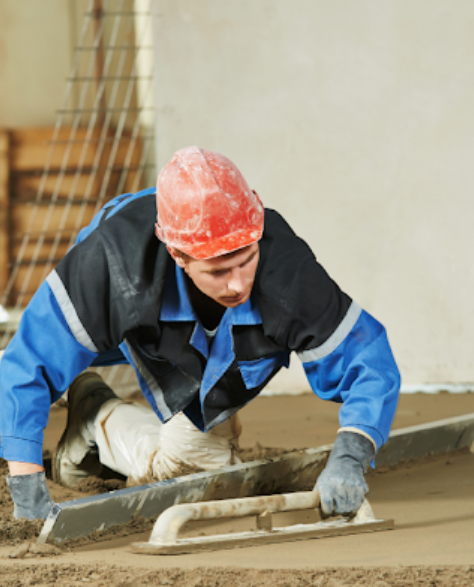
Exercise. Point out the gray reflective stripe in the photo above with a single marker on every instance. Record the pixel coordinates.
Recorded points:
(336, 337)
(69, 312)
(153, 386)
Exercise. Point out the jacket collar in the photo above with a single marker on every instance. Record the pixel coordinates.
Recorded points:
(176, 306)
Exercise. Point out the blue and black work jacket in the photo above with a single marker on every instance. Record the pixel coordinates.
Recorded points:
(119, 289)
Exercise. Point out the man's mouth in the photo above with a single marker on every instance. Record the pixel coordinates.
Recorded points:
(233, 299)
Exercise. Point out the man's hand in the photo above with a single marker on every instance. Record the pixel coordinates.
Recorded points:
(30, 496)
(342, 485)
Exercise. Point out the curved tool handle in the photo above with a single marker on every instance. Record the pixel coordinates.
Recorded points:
(168, 525)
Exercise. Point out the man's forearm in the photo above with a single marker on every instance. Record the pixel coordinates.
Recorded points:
(19, 468)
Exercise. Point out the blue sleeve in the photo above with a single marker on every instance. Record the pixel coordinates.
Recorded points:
(361, 373)
(36, 369)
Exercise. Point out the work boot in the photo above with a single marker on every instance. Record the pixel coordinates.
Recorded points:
(76, 456)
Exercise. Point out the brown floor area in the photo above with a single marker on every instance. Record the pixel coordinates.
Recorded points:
(432, 503)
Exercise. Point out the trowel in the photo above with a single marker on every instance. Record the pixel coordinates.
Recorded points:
(164, 537)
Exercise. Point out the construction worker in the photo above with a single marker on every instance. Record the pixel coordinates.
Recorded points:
(207, 314)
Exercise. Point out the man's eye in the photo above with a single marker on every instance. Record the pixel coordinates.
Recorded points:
(247, 261)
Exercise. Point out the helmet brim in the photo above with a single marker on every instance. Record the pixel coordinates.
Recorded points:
(217, 247)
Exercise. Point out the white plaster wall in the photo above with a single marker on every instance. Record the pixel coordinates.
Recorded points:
(35, 59)
(354, 119)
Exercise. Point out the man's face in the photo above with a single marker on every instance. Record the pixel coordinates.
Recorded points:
(228, 279)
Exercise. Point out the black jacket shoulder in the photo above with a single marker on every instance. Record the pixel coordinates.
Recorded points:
(301, 306)
(115, 276)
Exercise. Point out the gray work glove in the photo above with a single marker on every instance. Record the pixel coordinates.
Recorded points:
(342, 485)
(30, 496)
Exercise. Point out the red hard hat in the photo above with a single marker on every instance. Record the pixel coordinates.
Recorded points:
(205, 207)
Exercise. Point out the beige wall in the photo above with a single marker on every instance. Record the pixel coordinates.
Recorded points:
(35, 58)
(355, 119)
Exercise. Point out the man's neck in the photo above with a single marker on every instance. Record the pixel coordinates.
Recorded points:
(208, 311)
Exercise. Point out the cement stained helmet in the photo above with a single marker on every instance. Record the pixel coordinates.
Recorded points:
(205, 207)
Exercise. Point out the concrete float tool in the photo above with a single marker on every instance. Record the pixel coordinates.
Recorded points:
(164, 537)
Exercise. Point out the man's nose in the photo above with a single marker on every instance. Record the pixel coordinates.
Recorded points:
(235, 282)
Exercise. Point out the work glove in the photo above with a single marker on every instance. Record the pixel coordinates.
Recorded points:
(341, 485)
(30, 496)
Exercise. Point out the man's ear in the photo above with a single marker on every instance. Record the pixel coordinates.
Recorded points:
(177, 257)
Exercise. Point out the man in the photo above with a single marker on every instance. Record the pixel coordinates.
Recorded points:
(207, 314)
